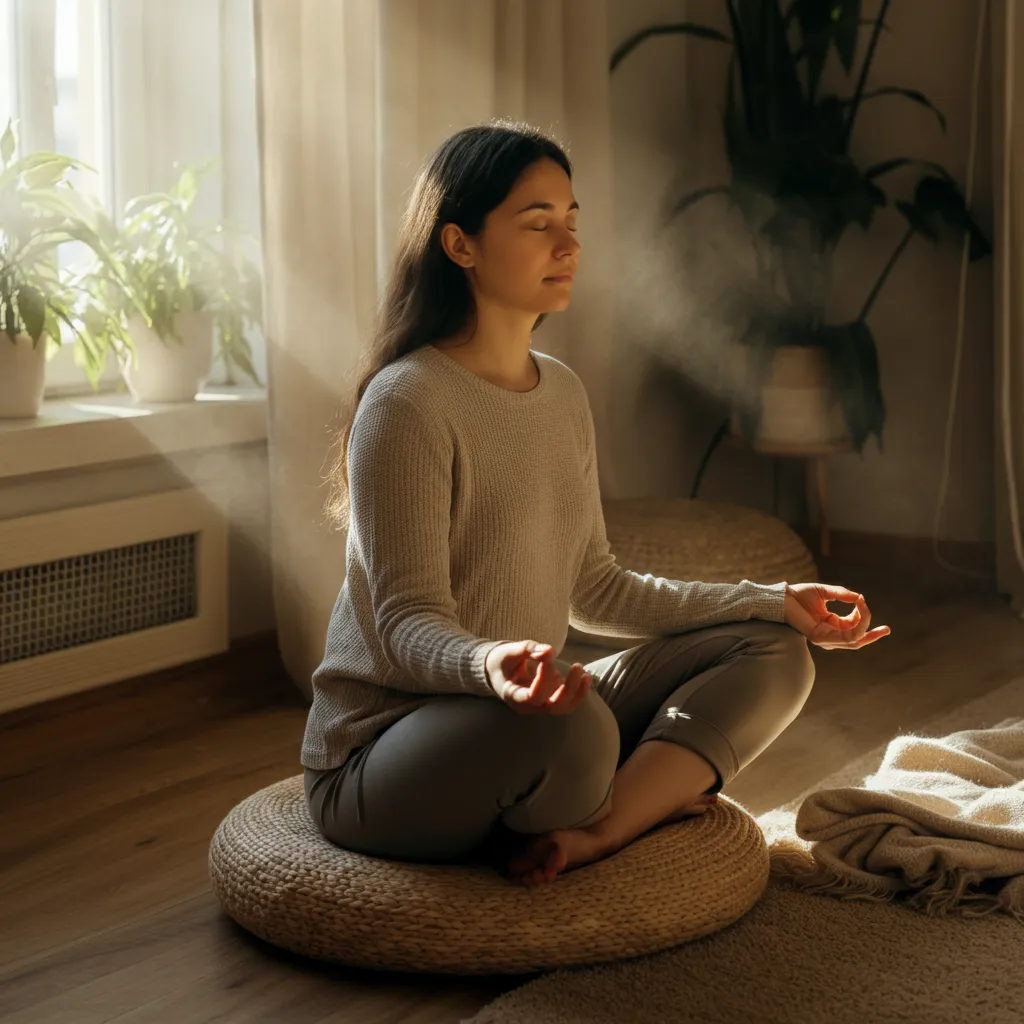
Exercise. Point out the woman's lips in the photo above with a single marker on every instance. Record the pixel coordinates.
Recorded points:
(562, 278)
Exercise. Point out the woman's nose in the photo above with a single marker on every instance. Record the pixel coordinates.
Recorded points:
(569, 243)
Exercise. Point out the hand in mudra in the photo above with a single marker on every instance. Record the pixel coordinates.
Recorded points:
(807, 612)
(523, 674)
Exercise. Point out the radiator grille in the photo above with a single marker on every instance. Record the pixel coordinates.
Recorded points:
(79, 600)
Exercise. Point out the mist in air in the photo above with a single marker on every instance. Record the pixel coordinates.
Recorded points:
(673, 292)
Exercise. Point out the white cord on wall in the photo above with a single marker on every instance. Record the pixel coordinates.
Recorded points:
(1011, 469)
(961, 300)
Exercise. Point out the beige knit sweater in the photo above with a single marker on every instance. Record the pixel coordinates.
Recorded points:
(476, 519)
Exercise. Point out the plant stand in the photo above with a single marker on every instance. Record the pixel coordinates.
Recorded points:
(814, 473)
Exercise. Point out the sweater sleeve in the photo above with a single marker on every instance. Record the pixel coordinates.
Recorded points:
(609, 600)
(400, 483)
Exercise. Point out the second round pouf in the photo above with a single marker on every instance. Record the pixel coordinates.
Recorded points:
(694, 539)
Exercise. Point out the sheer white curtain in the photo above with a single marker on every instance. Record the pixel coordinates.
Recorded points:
(354, 96)
(1007, 36)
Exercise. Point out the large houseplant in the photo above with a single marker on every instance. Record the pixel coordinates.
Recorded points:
(798, 190)
(42, 304)
(188, 280)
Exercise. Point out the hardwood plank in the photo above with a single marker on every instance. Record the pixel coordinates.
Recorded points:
(136, 826)
(249, 675)
(183, 961)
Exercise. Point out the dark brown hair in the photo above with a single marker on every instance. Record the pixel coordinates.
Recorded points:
(428, 297)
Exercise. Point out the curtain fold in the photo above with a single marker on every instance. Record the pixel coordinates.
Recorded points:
(353, 96)
(1007, 40)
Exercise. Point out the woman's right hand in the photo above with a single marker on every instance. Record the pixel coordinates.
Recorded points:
(523, 674)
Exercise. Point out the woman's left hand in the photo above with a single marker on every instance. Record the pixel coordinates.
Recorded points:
(807, 612)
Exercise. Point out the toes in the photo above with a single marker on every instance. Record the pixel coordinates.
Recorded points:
(533, 860)
(540, 863)
(556, 859)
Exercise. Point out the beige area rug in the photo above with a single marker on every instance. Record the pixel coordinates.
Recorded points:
(808, 958)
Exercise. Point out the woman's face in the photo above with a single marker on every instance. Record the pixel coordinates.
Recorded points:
(527, 240)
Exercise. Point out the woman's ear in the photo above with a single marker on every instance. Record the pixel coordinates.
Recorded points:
(454, 243)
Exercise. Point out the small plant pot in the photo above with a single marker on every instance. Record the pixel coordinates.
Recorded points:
(168, 370)
(22, 375)
(799, 403)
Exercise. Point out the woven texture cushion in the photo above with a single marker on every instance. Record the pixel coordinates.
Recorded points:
(693, 539)
(279, 878)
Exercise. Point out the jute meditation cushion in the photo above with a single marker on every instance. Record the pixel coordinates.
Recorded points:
(693, 539)
(279, 878)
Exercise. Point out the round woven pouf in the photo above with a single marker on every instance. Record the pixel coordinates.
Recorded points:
(276, 875)
(693, 539)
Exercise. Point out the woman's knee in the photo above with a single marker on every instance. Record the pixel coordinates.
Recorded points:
(592, 735)
(578, 765)
(588, 734)
(796, 670)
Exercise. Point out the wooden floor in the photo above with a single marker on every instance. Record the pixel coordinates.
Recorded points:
(108, 802)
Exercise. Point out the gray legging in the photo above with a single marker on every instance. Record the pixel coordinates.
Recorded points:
(433, 785)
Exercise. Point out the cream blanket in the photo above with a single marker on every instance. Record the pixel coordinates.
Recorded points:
(939, 826)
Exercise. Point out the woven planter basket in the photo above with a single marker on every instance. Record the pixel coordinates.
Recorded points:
(693, 539)
(276, 875)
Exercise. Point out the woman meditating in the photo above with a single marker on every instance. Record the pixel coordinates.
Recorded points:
(444, 725)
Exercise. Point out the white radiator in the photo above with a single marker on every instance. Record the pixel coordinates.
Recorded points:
(93, 594)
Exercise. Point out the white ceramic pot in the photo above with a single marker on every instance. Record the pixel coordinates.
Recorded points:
(22, 375)
(169, 371)
(800, 405)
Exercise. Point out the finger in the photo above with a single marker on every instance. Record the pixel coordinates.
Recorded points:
(838, 593)
(567, 697)
(534, 660)
(865, 621)
(521, 681)
(852, 645)
(586, 682)
(518, 694)
(520, 671)
(851, 619)
(869, 638)
(547, 680)
(513, 665)
(855, 629)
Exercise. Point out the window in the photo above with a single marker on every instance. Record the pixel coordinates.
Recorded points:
(138, 89)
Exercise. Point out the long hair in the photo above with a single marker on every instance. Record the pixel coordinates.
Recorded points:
(428, 297)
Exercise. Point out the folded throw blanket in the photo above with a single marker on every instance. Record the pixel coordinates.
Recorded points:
(939, 826)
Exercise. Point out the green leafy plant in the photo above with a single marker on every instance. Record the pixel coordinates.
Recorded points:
(174, 263)
(40, 210)
(798, 189)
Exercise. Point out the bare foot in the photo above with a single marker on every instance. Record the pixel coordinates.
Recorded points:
(538, 859)
(698, 807)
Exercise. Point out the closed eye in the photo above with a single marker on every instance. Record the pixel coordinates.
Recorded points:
(574, 230)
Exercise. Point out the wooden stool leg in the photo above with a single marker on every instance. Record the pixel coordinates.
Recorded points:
(819, 473)
(809, 494)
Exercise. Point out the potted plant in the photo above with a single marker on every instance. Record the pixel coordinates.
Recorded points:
(187, 280)
(798, 190)
(41, 304)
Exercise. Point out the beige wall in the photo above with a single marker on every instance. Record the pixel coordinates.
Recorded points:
(239, 473)
(666, 98)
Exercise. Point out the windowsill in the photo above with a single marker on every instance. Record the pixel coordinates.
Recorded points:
(98, 428)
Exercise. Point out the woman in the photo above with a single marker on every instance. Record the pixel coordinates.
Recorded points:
(443, 722)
